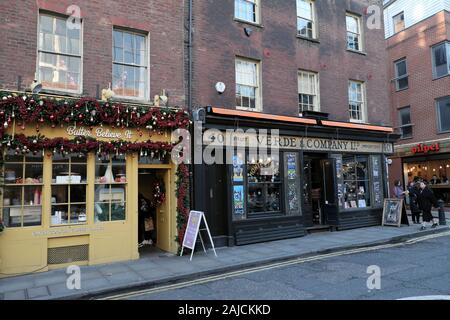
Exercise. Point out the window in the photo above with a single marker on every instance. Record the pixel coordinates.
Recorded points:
(354, 41)
(401, 75)
(443, 111)
(399, 22)
(246, 10)
(69, 181)
(441, 60)
(110, 190)
(355, 172)
(22, 189)
(247, 85)
(406, 126)
(357, 103)
(59, 55)
(264, 184)
(130, 65)
(306, 19)
(308, 91)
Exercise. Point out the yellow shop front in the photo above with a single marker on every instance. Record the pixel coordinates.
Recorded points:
(75, 201)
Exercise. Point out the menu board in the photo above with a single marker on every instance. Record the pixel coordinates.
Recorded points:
(193, 226)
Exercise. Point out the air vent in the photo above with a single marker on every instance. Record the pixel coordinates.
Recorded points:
(71, 254)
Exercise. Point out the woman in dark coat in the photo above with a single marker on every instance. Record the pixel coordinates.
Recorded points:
(426, 202)
(414, 190)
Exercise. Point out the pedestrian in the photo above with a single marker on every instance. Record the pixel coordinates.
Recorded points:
(400, 194)
(426, 202)
(414, 190)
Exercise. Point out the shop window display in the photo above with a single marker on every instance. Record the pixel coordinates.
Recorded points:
(69, 181)
(356, 192)
(22, 189)
(110, 189)
(264, 184)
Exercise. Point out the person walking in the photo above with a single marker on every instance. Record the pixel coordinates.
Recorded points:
(414, 190)
(426, 202)
(400, 194)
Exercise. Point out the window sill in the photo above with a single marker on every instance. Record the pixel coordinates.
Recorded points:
(357, 52)
(441, 77)
(406, 138)
(248, 109)
(69, 94)
(132, 100)
(254, 24)
(313, 40)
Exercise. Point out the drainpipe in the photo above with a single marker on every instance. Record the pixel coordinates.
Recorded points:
(190, 108)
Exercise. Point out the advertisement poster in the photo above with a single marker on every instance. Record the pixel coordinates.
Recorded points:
(238, 168)
(193, 226)
(291, 166)
(238, 201)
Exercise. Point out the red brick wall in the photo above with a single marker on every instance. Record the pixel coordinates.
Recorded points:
(218, 39)
(415, 44)
(162, 19)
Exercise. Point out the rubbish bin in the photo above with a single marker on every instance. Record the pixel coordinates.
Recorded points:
(442, 219)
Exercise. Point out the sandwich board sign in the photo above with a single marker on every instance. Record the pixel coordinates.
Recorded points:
(193, 232)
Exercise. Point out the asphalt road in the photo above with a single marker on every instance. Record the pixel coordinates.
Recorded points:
(421, 269)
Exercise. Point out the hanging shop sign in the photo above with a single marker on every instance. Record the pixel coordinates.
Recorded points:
(423, 148)
(251, 140)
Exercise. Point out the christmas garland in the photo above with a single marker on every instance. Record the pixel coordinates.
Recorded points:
(38, 111)
(183, 202)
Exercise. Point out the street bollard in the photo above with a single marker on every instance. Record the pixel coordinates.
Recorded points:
(442, 219)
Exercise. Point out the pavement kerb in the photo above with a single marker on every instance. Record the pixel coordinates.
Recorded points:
(141, 285)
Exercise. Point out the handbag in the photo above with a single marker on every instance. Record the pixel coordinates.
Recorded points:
(149, 226)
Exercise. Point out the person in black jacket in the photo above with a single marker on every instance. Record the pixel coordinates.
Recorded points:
(414, 191)
(426, 202)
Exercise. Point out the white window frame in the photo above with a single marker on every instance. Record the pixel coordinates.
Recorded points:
(312, 3)
(363, 102)
(405, 125)
(258, 94)
(446, 44)
(397, 77)
(359, 34)
(39, 51)
(147, 48)
(316, 94)
(257, 13)
(395, 24)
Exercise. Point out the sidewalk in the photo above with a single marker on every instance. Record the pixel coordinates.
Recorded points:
(161, 269)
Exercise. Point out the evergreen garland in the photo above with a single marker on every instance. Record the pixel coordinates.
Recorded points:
(183, 204)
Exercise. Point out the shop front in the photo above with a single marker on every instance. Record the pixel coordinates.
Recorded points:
(429, 161)
(282, 177)
(72, 174)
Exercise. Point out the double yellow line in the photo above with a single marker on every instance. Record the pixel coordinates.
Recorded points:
(271, 266)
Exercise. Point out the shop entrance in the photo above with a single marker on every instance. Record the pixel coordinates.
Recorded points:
(153, 212)
(318, 190)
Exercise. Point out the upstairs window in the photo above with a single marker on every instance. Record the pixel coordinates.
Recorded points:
(406, 126)
(247, 84)
(59, 54)
(354, 39)
(308, 91)
(130, 65)
(401, 75)
(306, 19)
(443, 106)
(357, 105)
(246, 10)
(399, 22)
(441, 60)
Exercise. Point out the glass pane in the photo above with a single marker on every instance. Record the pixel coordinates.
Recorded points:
(60, 214)
(33, 196)
(402, 83)
(78, 173)
(440, 60)
(77, 194)
(46, 24)
(32, 216)
(118, 39)
(60, 173)
(118, 54)
(255, 199)
(118, 79)
(77, 213)
(60, 194)
(362, 168)
(33, 173)
(12, 157)
(304, 9)
(117, 211)
(352, 24)
(273, 200)
(13, 173)
(128, 43)
(401, 68)
(263, 168)
(405, 116)
(101, 211)
(444, 114)
(12, 196)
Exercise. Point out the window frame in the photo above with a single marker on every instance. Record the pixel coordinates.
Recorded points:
(363, 111)
(54, 15)
(314, 36)
(359, 35)
(316, 106)
(368, 179)
(146, 36)
(405, 76)
(395, 24)
(438, 115)
(446, 44)
(407, 125)
(257, 12)
(258, 89)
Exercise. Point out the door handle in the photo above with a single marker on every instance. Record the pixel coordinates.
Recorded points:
(211, 193)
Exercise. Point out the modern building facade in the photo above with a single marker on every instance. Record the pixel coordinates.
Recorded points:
(73, 166)
(418, 46)
(313, 70)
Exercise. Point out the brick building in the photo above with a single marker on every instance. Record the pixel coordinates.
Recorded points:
(417, 44)
(313, 70)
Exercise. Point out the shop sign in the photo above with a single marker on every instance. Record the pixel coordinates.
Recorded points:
(252, 140)
(99, 132)
(423, 148)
